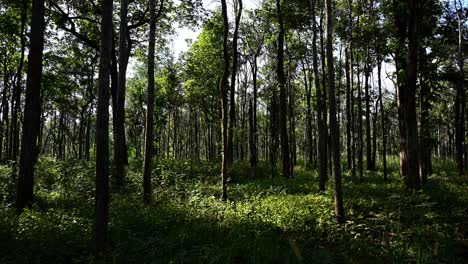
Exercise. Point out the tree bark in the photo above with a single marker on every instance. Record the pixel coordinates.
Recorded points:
(224, 104)
(102, 131)
(120, 144)
(409, 160)
(32, 109)
(149, 133)
(232, 110)
(320, 107)
(15, 139)
(5, 109)
(286, 160)
(460, 98)
(382, 114)
(334, 126)
(369, 161)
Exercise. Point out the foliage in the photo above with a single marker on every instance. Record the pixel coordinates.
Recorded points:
(266, 220)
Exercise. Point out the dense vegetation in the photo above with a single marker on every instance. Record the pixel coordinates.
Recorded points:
(265, 220)
(328, 131)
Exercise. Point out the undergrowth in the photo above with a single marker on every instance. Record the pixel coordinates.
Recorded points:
(266, 219)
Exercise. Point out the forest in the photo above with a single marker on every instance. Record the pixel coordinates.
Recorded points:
(233, 131)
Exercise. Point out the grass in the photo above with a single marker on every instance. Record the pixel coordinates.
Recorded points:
(265, 220)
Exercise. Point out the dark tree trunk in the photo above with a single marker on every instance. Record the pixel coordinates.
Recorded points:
(382, 114)
(5, 131)
(254, 126)
(348, 109)
(425, 136)
(369, 161)
(32, 109)
(17, 86)
(274, 137)
(120, 144)
(408, 100)
(149, 133)
(287, 167)
(224, 104)
(334, 126)
(320, 107)
(102, 130)
(460, 100)
(232, 110)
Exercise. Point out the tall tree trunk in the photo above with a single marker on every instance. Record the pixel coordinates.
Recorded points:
(5, 111)
(224, 104)
(254, 126)
(320, 107)
(120, 144)
(287, 167)
(407, 104)
(232, 110)
(17, 86)
(460, 97)
(149, 133)
(424, 136)
(334, 126)
(382, 114)
(32, 109)
(369, 161)
(102, 130)
(348, 108)
(274, 139)
(352, 104)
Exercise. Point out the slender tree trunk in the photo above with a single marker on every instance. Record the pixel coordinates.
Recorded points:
(149, 133)
(254, 126)
(17, 86)
(352, 104)
(274, 137)
(320, 107)
(224, 104)
(5, 111)
(334, 126)
(120, 144)
(460, 98)
(382, 114)
(102, 130)
(424, 136)
(348, 109)
(32, 109)
(232, 110)
(287, 167)
(368, 116)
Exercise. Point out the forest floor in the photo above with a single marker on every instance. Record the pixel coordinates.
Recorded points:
(265, 220)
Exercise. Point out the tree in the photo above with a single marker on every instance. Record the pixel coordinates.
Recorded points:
(320, 106)
(32, 109)
(149, 134)
(287, 167)
(232, 92)
(120, 142)
(334, 127)
(102, 130)
(460, 102)
(223, 88)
